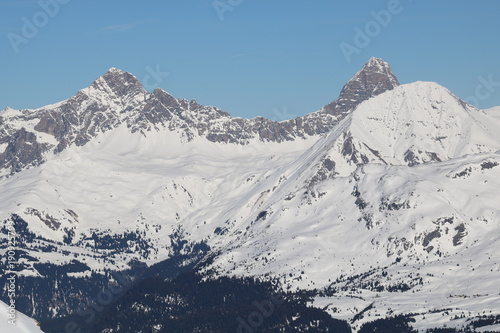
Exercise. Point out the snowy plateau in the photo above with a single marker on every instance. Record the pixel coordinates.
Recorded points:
(383, 203)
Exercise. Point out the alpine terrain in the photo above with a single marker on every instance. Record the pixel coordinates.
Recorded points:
(136, 210)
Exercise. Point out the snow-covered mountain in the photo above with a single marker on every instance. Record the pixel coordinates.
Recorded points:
(382, 203)
(413, 124)
(400, 197)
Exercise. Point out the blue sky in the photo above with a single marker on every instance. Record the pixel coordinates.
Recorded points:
(276, 58)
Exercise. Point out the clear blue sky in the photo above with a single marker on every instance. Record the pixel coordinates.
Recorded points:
(264, 55)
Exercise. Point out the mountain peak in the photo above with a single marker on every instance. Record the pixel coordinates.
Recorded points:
(416, 123)
(120, 76)
(120, 82)
(373, 71)
(373, 61)
(115, 70)
(374, 78)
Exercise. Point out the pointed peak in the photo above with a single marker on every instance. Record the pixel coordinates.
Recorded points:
(373, 61)
(121, 82)
(378, 65)
(374, 69)
(113, 72)
(374, 78)
(114, 69)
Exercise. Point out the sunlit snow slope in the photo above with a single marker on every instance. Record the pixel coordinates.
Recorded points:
(355, 216)
(21, 324)
(494, 112)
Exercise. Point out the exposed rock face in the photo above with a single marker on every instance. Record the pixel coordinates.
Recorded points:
(373, 79)
(118, 98)
(22, 151)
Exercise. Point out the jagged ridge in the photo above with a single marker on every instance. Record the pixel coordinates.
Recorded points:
(118, 98)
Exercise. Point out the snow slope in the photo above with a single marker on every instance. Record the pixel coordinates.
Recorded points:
(23, 323)
(128, 182)
(494, 112)
(430, 230)
(339, 213)
(413, 124)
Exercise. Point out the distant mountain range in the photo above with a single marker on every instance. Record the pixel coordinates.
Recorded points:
(117, 98)
(380, 209)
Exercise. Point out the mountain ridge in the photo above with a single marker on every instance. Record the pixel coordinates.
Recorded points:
(118, 97)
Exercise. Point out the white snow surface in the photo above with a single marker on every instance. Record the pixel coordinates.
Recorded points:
(493, 112)
(422, 119)
(21, 324)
